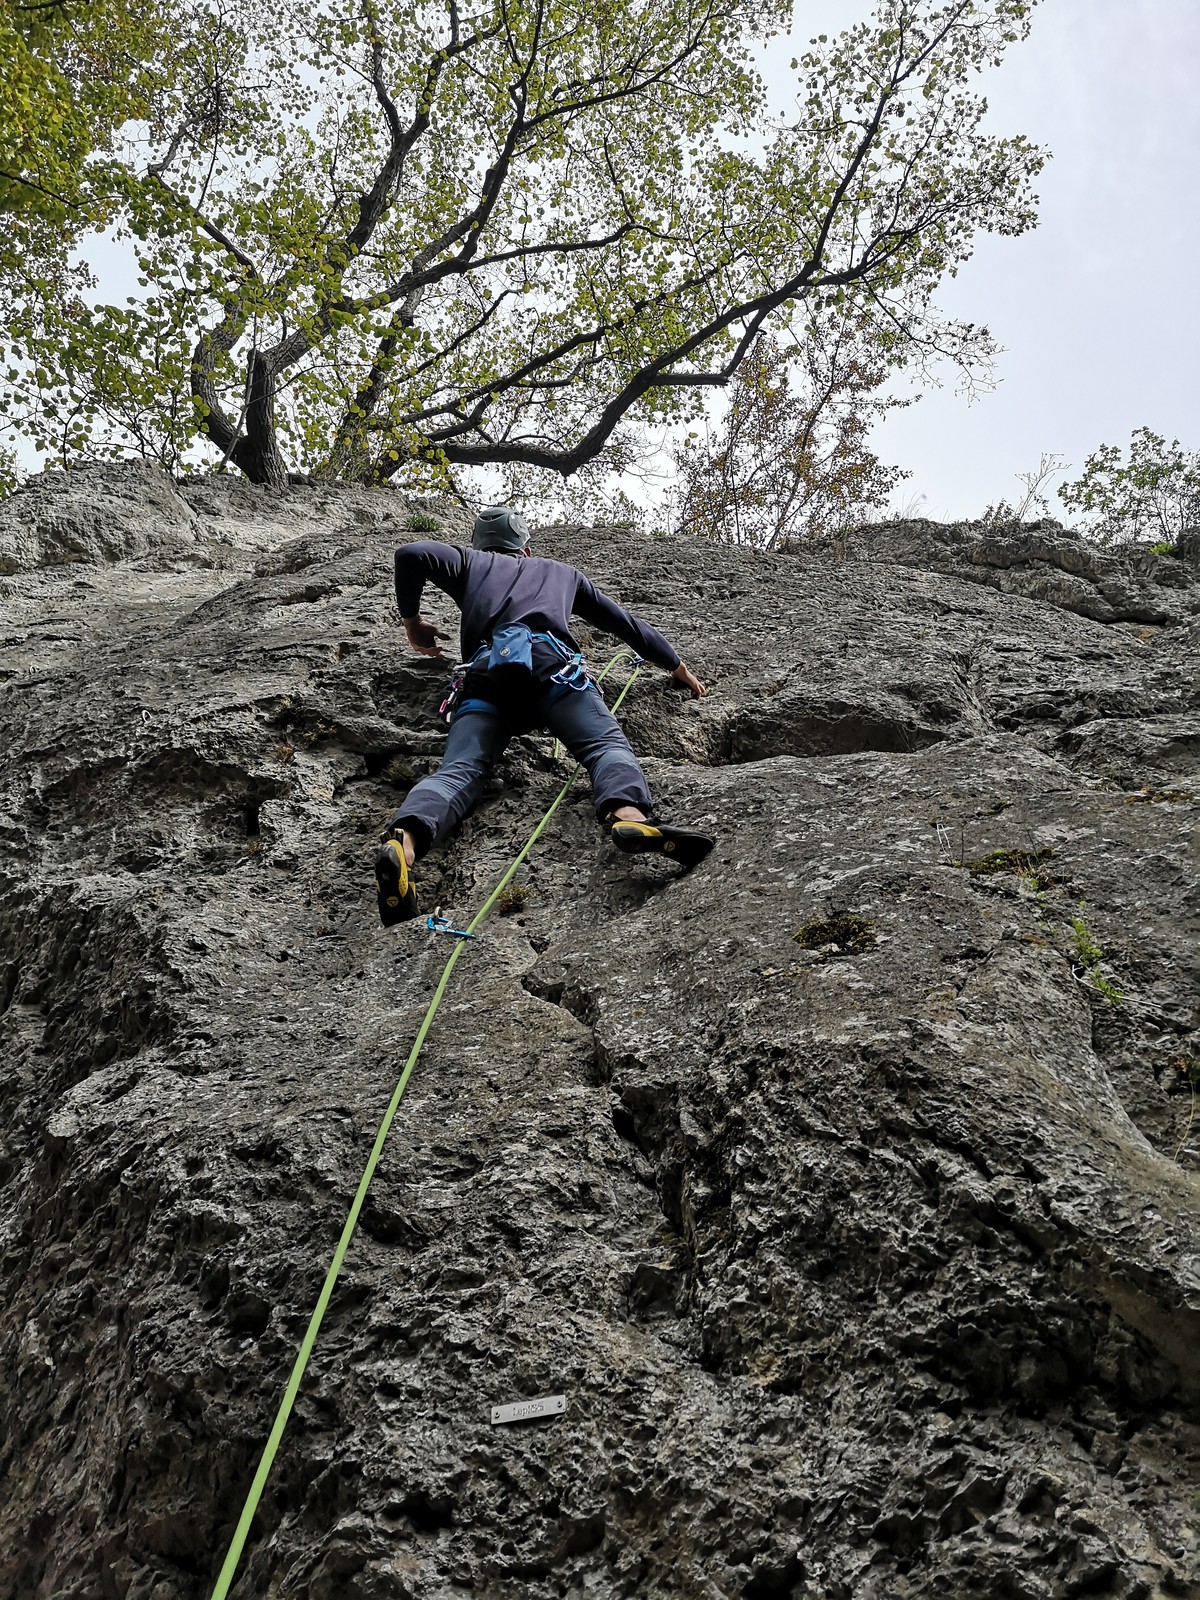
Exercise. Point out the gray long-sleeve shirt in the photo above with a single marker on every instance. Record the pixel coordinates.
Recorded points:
(493, 588)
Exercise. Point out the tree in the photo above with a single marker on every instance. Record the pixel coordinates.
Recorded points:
(74, 72)
(398, 236)
(1155, 494)
(788, 464)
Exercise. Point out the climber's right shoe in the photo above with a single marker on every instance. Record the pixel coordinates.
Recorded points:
(659, 838)
(397, 898)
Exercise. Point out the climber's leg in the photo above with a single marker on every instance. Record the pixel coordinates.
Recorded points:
(593, 735)
(439, 803)
(620, 792)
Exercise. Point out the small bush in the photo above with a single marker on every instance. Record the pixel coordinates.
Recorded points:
(422, 522)
(1186, 1078)
(404, 770)
(1086, 948)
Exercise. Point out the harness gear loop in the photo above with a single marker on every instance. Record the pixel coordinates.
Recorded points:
(240, 1534)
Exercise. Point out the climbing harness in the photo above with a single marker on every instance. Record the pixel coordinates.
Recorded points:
(440, 924)
(299, 1366)
(509, 654)
(573, 674)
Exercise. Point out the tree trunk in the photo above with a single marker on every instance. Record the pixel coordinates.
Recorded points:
(252, 446)
(257, 452)
(350, 459)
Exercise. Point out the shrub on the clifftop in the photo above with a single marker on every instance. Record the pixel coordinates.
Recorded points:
(1155, 494)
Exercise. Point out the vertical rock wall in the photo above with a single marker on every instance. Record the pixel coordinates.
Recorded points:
(868, 1260)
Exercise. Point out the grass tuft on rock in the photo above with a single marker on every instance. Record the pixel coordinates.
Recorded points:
(845, 932)
(1025, 864)
(514, 898)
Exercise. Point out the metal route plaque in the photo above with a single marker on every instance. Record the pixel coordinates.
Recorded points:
(551, 1405)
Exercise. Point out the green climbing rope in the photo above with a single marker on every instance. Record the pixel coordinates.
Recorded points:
(270, 1449)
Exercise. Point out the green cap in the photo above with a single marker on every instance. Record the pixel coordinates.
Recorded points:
(500, 528)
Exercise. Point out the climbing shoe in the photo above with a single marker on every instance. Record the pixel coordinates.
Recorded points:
(396, 896)
(659, 838)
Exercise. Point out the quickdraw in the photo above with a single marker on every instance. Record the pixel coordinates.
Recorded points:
(440, 924)
(454, 689)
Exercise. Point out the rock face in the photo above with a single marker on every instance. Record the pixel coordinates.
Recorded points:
(1045, 561)
(847, 1187)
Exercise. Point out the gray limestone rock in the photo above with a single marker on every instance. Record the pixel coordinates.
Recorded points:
(94, 514)
(1044, 561)
(846, 1187)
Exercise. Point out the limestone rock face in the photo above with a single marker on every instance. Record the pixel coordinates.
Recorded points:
(96, 514)
(846, 1188)
(1045, 561)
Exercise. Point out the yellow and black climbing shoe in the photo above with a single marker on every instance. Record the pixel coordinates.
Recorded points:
(394, 888)
(659, 838)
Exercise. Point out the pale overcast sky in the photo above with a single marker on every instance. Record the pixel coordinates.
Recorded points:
(1096, 309)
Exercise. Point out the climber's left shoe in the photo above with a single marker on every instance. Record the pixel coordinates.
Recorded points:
(659, 838)
(396, 896)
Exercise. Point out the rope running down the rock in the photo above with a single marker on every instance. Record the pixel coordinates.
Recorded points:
(270, 1449)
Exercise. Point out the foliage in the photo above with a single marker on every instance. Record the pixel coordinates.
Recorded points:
(1155, 493)
(1090, 955)
(10, 472)
(74, 72)
(787, 465)
(393, 236)
(1086, 948)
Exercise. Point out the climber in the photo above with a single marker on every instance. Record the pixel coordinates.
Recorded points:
(522, 670)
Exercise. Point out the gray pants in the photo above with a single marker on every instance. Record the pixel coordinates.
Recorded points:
(577, 717)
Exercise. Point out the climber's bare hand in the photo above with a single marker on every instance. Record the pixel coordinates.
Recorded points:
(423, 636)
(689, 680)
